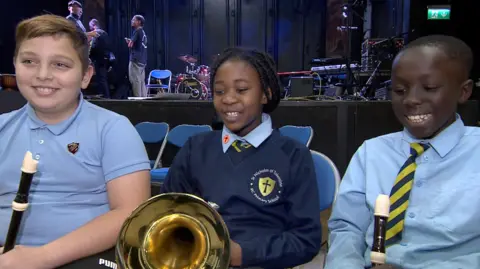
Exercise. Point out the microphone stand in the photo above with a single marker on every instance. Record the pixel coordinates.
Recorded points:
(350, 78)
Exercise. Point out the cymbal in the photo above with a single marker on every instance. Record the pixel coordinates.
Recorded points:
(188, 59)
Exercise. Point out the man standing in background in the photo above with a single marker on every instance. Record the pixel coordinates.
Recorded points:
(76, 12)
(138, 57)
(100, 56)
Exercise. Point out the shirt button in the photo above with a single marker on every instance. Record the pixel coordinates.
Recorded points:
(403, 244)
(425, 158)
(419, 184)
(411, 215)
(37, 157)
(41, 142)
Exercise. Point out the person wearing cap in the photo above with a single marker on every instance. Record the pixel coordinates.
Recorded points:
(76, 12)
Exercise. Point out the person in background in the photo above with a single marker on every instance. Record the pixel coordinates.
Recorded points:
(138, 56)
(93, 169)
(76, 11)
(100, 56)
(263, 183)
(430, 169)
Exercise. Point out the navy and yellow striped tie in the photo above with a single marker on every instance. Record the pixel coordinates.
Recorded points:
(240, 146)
(239, 150)
(400, 194)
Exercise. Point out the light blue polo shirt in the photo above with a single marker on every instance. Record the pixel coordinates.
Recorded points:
(77, 158)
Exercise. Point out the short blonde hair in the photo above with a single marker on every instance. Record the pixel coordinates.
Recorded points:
(53, 25)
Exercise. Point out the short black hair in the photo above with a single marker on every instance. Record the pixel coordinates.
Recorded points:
(140, 18)
(456, 49)
(263, 64)
(73, 3)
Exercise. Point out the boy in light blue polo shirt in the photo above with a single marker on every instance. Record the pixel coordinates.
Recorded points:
(429, 170)
(93, 168)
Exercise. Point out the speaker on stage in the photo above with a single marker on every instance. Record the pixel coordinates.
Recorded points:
(301, 86)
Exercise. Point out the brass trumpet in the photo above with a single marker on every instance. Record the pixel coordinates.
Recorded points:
(173, 230)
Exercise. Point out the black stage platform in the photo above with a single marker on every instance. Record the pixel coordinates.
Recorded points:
(340, 126)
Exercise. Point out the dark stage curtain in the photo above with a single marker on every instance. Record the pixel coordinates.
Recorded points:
(12, 12)
(292, 31)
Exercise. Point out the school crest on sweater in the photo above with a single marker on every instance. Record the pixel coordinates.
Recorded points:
(266, 185)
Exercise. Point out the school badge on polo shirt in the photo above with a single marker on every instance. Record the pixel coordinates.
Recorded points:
(266, 185)
(73, 147)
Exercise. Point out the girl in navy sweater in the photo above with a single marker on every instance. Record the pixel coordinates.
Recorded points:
(263, 183)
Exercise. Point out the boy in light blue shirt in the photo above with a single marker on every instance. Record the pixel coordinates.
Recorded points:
(93, 170)
(430, 170)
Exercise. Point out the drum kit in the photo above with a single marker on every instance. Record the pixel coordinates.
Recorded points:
(195, 81)
(8, 82)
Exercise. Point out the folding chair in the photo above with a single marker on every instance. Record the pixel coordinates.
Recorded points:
(178, 136)
(154, 132)
(157, 76)
(328, 181)
(302, 134)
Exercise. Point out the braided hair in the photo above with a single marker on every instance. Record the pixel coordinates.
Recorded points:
(263, 64)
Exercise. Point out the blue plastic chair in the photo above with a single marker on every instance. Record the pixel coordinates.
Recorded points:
(159, 75)
(154, 132)
(328, 181)
(302, 134)
(178, 136)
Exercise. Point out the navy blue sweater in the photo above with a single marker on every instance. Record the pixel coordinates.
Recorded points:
(269, 200)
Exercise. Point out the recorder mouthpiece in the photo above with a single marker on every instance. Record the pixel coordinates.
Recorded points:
(382, 205)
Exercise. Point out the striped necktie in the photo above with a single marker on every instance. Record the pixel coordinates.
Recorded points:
(240, 146)
(239, 150)
(400, 194)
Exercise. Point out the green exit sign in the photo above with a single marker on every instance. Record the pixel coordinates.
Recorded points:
(438, 13)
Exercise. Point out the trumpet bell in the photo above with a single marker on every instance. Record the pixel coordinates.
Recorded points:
(173, 231)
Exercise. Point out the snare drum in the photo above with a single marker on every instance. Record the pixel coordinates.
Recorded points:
(195, 88)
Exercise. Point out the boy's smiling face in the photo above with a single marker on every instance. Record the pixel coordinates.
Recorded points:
(427, 85)
(50, 75)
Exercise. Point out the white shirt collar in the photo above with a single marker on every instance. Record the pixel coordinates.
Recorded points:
(255, 137)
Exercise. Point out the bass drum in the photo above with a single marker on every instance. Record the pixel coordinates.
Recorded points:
(196, 89)
(8, 82)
